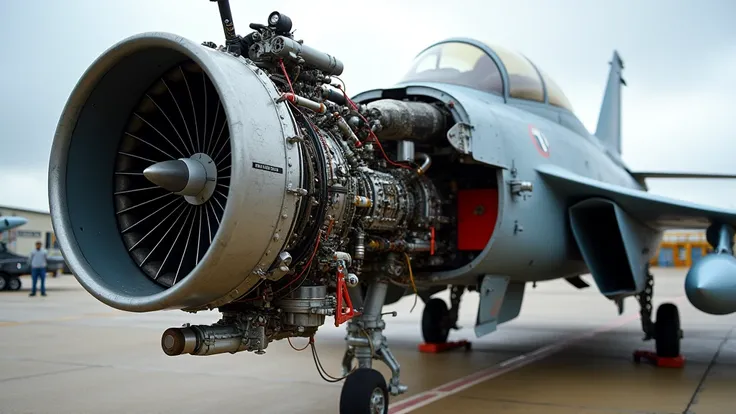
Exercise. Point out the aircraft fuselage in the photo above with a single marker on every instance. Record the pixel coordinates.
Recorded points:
(532, 240)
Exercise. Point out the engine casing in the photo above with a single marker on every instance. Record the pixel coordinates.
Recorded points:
(285, 191)
(261, 201)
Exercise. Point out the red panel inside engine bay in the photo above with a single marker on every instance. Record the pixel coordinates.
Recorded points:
(477, 211)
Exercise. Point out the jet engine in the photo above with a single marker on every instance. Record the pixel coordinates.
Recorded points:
(240, 177)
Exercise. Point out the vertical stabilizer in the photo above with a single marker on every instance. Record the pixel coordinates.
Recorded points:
(609, 119)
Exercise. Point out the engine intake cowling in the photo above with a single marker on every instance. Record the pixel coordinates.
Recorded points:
(131, 240)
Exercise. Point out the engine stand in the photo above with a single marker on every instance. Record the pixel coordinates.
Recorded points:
(667, 362)
(428, 348)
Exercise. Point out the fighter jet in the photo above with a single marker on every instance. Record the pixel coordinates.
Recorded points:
(246, 180)
(11, 222)
(10, 263)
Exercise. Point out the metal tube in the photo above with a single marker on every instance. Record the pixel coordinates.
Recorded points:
(286, 48)
(226, 16)
(317, 107)
(345, 129)
(360, 245)
(202, 340)
(425, 164)
(332, 94)
(373, 305)
(405, 151)
(400, 120)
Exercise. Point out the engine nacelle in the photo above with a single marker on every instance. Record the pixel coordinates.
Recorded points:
(137, 246)
(183, 176)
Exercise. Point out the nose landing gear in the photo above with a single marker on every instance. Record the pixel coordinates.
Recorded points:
(665, 331)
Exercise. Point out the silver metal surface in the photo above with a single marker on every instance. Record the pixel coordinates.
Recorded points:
(405, 151)
(287, 48)
(307, 306)
(426, 161)
(352, 280)
(202, 182)
(391, 201)
(243, 218)
(378, 401)
(171, 175)
(234, 333)
(405, 120)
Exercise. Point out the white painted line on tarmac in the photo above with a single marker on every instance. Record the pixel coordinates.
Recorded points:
(453, 387)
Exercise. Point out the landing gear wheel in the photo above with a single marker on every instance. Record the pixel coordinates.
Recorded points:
(3, 283)
(14, 284)
(667, 332)
(364, 392)
(436, 322)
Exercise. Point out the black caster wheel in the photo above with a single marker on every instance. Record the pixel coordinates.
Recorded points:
(3, 283)
(14, 284)
(364, 392)
(436, 322)
(667, 332)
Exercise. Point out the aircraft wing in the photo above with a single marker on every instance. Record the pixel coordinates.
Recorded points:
(640, 175)
(655, 211)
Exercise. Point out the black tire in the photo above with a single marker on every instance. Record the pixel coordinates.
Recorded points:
(3, 282)
(364, 392)
(14, 284)
(436, 322)
(667, 331)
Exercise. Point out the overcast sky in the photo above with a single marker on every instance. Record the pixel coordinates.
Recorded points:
(680, 62)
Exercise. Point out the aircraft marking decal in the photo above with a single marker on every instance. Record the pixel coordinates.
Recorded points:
(540, 141)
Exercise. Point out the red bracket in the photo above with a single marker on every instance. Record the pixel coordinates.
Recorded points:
(343, 315)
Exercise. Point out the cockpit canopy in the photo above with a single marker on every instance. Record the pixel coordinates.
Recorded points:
(466, 64)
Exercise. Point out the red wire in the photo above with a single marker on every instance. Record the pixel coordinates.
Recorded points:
(371, 134)
(307, 265)
(304, 269)
(283, 69)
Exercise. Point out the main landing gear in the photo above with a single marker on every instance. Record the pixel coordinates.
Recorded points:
(365, 390)
(8, 282)
(665, 331)
(438, 320)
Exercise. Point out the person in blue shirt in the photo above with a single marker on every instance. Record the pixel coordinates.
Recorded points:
(38, 261)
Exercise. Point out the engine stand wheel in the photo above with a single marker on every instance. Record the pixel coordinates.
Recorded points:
(14, 284)
(436, 322)
(667, 332)
(3, 282)
(364, 392)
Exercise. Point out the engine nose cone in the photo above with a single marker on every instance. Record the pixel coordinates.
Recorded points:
(710, 284)
(172, 175)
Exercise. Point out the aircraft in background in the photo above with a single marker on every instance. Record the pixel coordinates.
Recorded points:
(11, 222)
(257, 187)
(13, 265)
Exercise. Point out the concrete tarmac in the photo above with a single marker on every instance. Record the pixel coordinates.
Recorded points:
(568, 352)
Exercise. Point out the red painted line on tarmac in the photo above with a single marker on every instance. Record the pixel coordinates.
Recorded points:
(453, 387)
